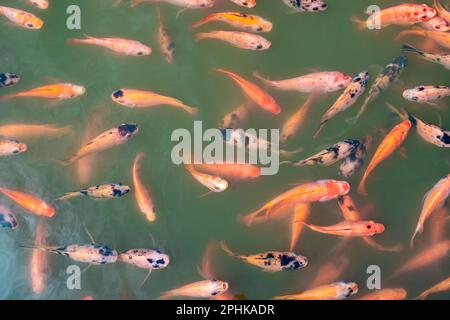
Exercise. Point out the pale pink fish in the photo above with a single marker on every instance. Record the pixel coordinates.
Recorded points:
(21, 18)
(436, 24)
(119, 45)
(242, 40)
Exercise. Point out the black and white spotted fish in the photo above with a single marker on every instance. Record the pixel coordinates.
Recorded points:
(235, 118)
(10, 147)
(350, 95)
(431, 133)
(7, 219)
(383, 81)
(353, 162)
(306, 5)
(103, 191)
(333, 154)
(443, 59)
(145, 258)
(426, 94)
(8, 79)
(273, 261)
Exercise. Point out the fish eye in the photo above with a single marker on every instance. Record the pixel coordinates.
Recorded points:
(30, 25)
(369, 226)
(140, 53)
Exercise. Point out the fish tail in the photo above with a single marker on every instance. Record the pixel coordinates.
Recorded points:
(73, 41)
(287, 154)
(227, 249)
(409, 48)
(362, 186)
(409, 32)
(423, 295)
(202, 21)
(360, 24)
(418, 230)
(188, 109)
(69, 195)
(8, 97)
(258, 76)
(42, 248)
(139, 156)
(322, 124)
(248, 218)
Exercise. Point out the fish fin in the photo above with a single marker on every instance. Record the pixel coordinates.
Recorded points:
(403, 153)
(88, 233)
(248, 219)
(287, 154)
(86, 269)
(360, 24)
(227, 249)
(205, 194)
(74, 42)
(322, 124)
(202, 274)
(69, 195)
(146, 278)
(418, 230)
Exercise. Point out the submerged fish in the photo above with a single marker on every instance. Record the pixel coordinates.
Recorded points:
(61, 91)
(443, 59)
(426, 94)
(273, 261)
(436, 24)
(29, 202)
(103, 191)
(294, 123)
(330, 271)
(141, 194)
(386, 294)
(194, 4)
(199, 289)
(349, 228)
(353, 163)
(38, 262)
(307, 5)
(41, 4)
(441, 38)
(8, 79)
(245, 3)
(232, 171)
(333, 291)
(213, 183)
(431, 133)
(442, 286)
(119, 45)
(166, 45)
(243, 21)
(235, 118)
(7, 219)
(301, 214)
(24, 130)
(242, 40)
(21, 18)
(11, 147)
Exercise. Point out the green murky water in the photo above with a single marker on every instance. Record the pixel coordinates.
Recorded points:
(186, 224)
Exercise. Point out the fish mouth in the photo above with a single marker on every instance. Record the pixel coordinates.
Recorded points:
(128, 129)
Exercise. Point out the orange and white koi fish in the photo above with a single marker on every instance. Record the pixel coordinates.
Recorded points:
(426, 94)
(235, 118)
(294, 123)
(166, 45)
(254, 93)
(442, 286)
(386, 294)
(441, 11)
(436, 24)
(393, 140)
(245, 3)
(318, 82)
(194, 4)
(102, 191)
(106, 140)
(141, 194)
(61, 91)
(441, 38)
(232, 171)
(330, 272)
(242, 40)
(24, 130)
(405, 14)
(199, 289)
(432, 254)
(119, 45)
(213, 183)
(442, 59)
(350, 95)
(301, 214)
(433, 201)
(272, 261)
(21, 18)
(242, 21)
(41, 4)
(316, 191)
(38, 263)
(11, 147)
(29, 202)
(146, 99)
(349, 228)
(333, 291)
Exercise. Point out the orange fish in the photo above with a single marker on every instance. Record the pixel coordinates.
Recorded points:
(442, 286)
(434, 200)
(301, 214)
(330, 272)
(295, 121)
(386, 294)
(254, 93)
(390, 143)
(441, 38)
(119, 45)
(316, 191)
(349, 228)
(22, 18)
(333, 291)
(141, 194)
(243, 21)
(426, 257)
(242, 40)
(61, 91)
(232, 171)
(29, 202)
(23, 130)
(199, 289)
(38, 263)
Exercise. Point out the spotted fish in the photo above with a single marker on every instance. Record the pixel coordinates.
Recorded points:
(145, 258)
(443, 59)
(8, 79)
(306, 5)
(7, 219)
(11, 147)
(426, 94)
(104, 191)
(431, 133)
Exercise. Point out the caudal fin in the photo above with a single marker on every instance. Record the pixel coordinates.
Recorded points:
(418, 230)
(248, 219)
(360, 24)
(188, 109)
(200, 22)
(201, 36)
(68, 195)
(409, 48)
(225, 248)
(74, 42)
(362, 187)
(316, 134)
(265, 81)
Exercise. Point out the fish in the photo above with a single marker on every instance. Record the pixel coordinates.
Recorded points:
(348, 98)
(383, 81)
(441, 38)
(199, 289)
(194, 4)
(41, 4)
(330, 271)
(301, 214)
(241, 21)
(213, 183)
(436, 24)
(119, 45)
(141, 194)
(93, 254)
(442, 286)
(391, 142)
(433, 201)
(330, 155)
(426, 94)
(145, 258)
(441, 11)
(245, 3)
(60, 91)
(38, 262)
(332, 291)
(272, 261)
(166, 44)
(254, 93)
(8, 79)
(294, 123)
(10, 147)
(242, 40)
(442, 59)
(235, 118)
(29, 202)
(22, 18)
(317, 82)
(307, 5)
(232, 171)
(102, 191)
(349, 228)
(8, 219)
(106, 140)
(426, 257)
(315, 191)
(31, 130)
(431, 133)
(133, 98)
(405, 14)
(386, 294)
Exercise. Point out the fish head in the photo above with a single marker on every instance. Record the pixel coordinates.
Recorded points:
(410, 94)
(343, 187)
(17, 147)
(78, 90)
(219, 184)
(265, 26)
(33, 22)
(205, 3)
(158, 260)
(120, 190)
(374, 227)
(221, 287)
(261, 44)
(298, 262)
(7, 219)
(9, 79)
(246, 3)
(120, 96)
(437, 24)
(127, 130)
(350, 288)
(427, 12)
(48, 211)
(142, 50)
(41, 4)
